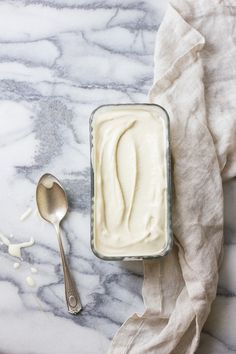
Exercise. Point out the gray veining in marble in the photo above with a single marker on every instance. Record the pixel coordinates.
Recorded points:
(58, 61)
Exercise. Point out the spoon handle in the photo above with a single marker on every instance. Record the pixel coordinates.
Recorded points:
(72, 296)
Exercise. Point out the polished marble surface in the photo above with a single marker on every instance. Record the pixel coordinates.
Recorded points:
(58, 61)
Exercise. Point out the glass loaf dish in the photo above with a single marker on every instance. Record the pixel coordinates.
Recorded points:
(131, 195)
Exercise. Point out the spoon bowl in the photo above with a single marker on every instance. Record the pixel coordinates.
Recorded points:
(51, 199)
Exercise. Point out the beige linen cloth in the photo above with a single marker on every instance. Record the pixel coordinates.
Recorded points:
(195, 80)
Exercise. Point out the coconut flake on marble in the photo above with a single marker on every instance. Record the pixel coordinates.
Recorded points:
(26, 214)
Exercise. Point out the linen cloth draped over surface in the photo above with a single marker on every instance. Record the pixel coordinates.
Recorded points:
(194, 81)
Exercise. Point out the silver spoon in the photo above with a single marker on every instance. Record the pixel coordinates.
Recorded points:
(53, 205)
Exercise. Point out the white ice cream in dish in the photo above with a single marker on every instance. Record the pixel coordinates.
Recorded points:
(131, 211)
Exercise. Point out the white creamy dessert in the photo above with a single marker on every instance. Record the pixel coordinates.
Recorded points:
(130, 180)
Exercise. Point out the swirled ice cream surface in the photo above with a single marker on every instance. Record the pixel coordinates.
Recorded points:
(130, 180)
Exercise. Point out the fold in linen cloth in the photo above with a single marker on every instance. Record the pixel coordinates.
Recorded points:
(194, 81)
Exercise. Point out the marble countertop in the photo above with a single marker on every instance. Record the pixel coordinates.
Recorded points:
(58, 61)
